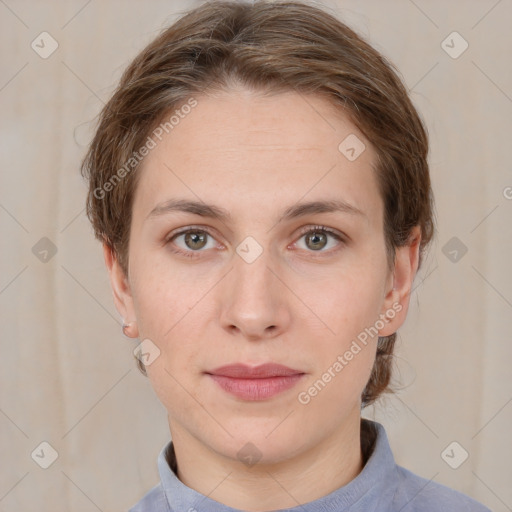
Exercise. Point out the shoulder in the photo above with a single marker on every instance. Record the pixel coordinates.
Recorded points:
(153, 501)
(417, 494)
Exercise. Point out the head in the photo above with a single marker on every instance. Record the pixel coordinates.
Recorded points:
(251, 111)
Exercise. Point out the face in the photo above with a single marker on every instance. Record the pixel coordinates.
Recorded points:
(270, 280)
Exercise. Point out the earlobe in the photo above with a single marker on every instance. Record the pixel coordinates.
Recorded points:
(130, 329)
(396, 303)
(121, 291)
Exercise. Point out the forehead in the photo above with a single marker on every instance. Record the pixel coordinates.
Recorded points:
(240, 148)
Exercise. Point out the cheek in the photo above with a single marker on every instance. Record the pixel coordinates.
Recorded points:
(167, 308)
(168, 303)
(348, 302)
(162, 296)
(344, 354)
(348, 307)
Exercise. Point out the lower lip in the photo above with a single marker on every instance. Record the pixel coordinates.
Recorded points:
(256, 389)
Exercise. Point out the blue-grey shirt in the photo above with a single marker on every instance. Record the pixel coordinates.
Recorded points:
(382, 486)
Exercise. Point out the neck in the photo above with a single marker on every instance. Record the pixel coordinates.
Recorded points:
(304, 477)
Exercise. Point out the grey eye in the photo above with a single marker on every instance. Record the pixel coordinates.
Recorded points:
(317, 239)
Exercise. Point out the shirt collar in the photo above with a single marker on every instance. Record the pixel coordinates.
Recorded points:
(375, 481)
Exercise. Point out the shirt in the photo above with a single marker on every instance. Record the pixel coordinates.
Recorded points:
(381, 486)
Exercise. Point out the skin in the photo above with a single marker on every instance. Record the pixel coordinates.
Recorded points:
(255, 156)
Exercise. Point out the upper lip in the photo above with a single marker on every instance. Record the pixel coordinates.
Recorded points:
(243, 371)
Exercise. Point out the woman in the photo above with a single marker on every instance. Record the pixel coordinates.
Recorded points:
(260, 184)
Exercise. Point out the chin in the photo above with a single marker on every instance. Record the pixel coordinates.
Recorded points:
(261, 444)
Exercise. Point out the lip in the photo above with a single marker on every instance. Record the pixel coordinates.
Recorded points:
(255, 383)
(244, 371)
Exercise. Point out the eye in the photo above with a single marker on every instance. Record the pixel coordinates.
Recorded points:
(190, 241)
(317, 238)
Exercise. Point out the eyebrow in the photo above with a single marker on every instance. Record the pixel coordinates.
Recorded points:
(216, 212)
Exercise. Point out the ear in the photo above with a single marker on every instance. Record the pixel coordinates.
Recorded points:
(398, 291)
(121, 291)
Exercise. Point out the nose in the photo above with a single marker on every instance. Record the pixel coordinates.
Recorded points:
(255, 300)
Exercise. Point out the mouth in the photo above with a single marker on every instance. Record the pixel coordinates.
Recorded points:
(255, 383)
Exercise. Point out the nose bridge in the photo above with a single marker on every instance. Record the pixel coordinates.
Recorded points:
(255, 300)
(251, 275)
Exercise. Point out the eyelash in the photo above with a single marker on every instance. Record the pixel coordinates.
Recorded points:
(304, 231)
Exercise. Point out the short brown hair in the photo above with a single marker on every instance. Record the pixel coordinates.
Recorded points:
(269, 47)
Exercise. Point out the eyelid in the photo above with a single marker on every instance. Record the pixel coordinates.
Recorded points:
(319, 227)
(186, 229)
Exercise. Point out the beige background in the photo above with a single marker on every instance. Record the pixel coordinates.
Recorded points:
(66, 373)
